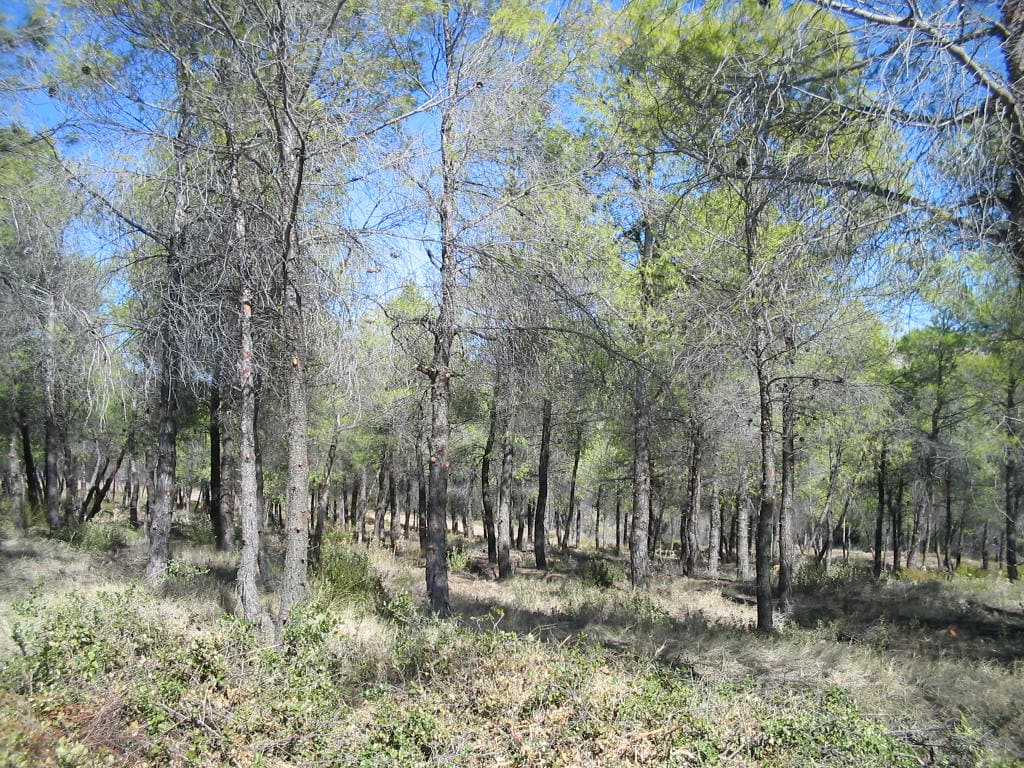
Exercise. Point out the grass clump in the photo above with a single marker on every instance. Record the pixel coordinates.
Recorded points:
(97, 537)
(345, 573)
(458, 553)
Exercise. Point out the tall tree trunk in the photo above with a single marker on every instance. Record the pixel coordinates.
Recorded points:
(540, 534)
(292, 156)
(382, 498)
(787, 550)
(639, 558)
(51, 430)
(743, 528)
(571, 508)
(248, 492)
(71, 486)
(161, 507)
(1010, 480)
(715, 530)
(393, 508)
(223, 531)
(689, 546)
(597, 519)
(267, 577)
(505, 501)
(16, 486)
(766, 515)
(361, 504)
(896, 513)
(618, 519)
(35, 492)
(947, 535)
(485, 480)
(407, 484)
(984, 546)
(880, 512)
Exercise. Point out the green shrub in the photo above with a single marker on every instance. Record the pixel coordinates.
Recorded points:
(813, 577)
(198, 530)
(346, 574)
(601, 573)
(98, 537)
(458, 553)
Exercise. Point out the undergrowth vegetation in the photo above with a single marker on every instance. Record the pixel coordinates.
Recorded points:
(363, 680)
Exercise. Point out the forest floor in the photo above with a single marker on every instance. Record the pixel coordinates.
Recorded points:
(563, 668)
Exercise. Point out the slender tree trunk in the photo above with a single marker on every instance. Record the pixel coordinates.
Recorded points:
(407, 484)
(540, 535)
(787, 550)
(597, 519)
(393, 508)
(947, 539)
(715, 532)
(213, 501)
(1010, 481)
(689, 546)
(320, 501)
(361, 504)
(161, 507)
(505, 501)
(766, 515)
(896, 513)
(880, 512)
(984, 546)
(16, 486)
(618, 519)
(639, 558)
(71, 486)
(51, 430)
(267, 578)
(571, 507)
(35, 492)
(485, 481)
(381, 505)
(248, 493)
(742, 528)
